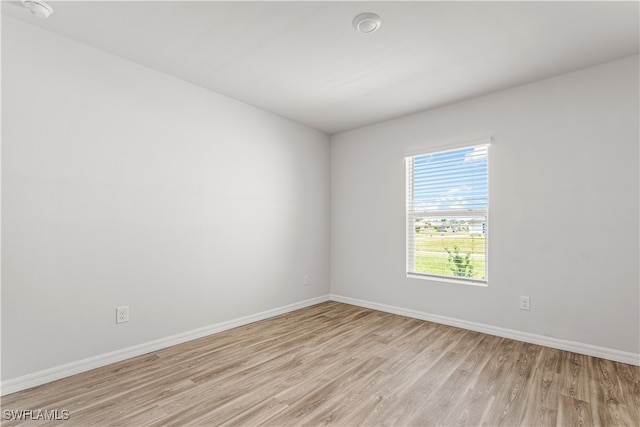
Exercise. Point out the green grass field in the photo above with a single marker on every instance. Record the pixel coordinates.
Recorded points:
(432, 258)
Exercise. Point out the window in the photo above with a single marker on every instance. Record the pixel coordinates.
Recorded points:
(447, 214)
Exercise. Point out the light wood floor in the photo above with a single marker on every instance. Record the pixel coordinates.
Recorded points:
(337, 364)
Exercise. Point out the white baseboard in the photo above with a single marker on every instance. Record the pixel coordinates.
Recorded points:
(47, 375)
(573, 346)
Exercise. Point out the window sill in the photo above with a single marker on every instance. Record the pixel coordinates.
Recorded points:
(480, 283)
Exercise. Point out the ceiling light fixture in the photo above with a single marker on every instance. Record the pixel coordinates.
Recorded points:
(38, 8)
(367, 23)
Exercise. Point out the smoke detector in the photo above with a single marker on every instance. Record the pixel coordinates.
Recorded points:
(38, 8)
(367, 23)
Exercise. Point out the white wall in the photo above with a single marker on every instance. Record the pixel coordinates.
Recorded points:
(564, 197)
(124, 186)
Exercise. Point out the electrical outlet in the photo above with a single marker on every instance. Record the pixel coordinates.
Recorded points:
(524, 303)
(305, 280)
(122, 314)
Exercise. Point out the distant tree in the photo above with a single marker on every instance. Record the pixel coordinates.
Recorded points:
(458, 264)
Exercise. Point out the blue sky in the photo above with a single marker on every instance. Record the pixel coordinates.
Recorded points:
(451, 180)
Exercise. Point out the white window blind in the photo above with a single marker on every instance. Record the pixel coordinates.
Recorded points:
(447, 213)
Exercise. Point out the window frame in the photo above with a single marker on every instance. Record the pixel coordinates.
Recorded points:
(411, 214)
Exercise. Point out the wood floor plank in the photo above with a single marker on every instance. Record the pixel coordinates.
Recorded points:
(387, 396)
(575, 412)
(341, 365)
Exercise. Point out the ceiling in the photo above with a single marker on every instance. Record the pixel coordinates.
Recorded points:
(303, 60)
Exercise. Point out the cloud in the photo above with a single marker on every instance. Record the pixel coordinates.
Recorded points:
(477, 154)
